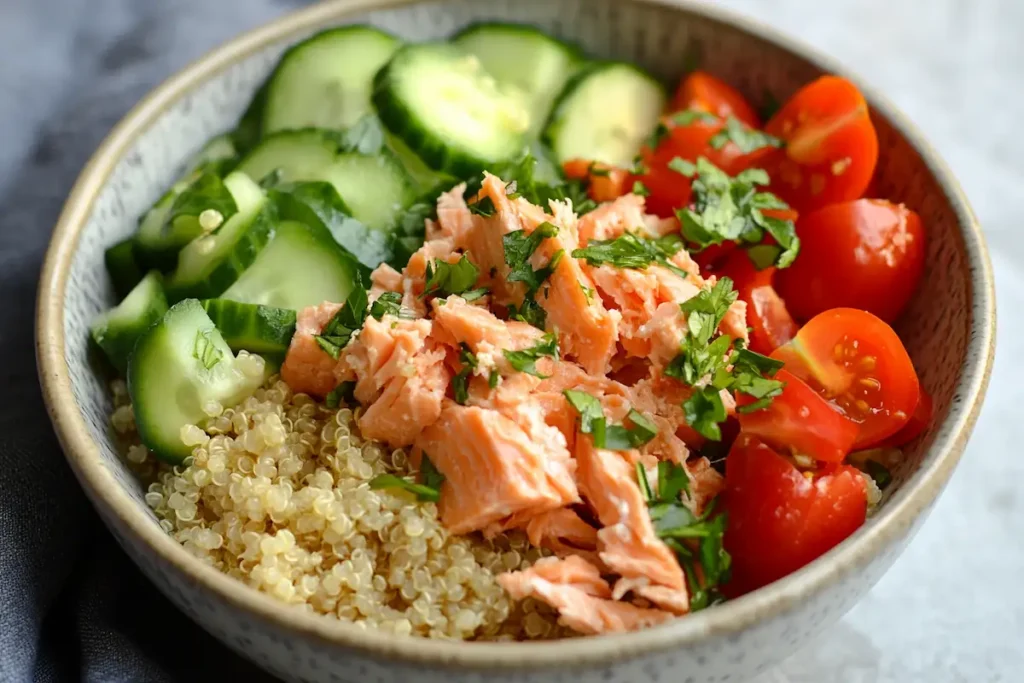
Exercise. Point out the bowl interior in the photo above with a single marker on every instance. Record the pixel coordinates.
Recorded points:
(936, 328)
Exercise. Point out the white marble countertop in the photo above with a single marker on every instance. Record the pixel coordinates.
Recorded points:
(954, 66)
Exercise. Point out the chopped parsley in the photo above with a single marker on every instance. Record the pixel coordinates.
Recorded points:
(688, 117)
(879, 472)
(444, 279)
(346, 322)
(474, 294)
(482, 207)
(530, 179)
(519, 247)
(743, 136)
(428, 490)
(460, 382)
(724, 363)
(530, 312)
(613, 437)
(492, 379)
(629, 250)
(640, 189)
(598, 170)
(682, 166)
(205, 350)
(730, 209)
(343, 393)
(526, 360)
(588, 292)
(695, 539)
(387, 303)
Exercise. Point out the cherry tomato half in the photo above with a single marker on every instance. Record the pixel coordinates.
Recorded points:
(799, 422)
(868, 254)
(919, 422)
(779, 518)
(831, 145)
(855, 360)
(770, 322)
(704, 92)
(604, 183)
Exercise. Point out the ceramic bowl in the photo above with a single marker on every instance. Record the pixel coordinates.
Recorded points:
(949, 330)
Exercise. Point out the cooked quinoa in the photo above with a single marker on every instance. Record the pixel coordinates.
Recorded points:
(276, 495)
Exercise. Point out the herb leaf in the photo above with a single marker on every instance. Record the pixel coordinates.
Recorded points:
(727, 209)
(460, 382)
(530, 312)
(387, 303)
(588, 407)
(346, 322)
(746, 138)
(429, 490)
(630, 251)
(444, 279)
(343, 393)
(525, 360)
(520, 246)
(430, 474)
(879, 472)
(672, 479)
(612, 437)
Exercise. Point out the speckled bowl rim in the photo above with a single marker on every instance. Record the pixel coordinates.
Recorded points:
(893, 520)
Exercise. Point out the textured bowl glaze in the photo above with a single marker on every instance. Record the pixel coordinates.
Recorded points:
(949, 329)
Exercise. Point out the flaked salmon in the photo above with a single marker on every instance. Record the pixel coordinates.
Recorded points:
(575, 588)
(307, 368)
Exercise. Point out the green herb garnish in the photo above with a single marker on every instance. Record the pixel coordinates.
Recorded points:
(343, 393)
(444, 279)
(460, 382)
(519, 247)
(727, 209)
(387, 303)
(429, 490)
(879, 472)
(613, 437)
(743, 136)
(629, 250)
(640, 189)
(525, 360)
(346, 322)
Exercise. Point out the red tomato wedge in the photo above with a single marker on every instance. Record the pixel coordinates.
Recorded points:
(919, 422)
(831, 145)
(704, 92)
(867, 253)
(799, 422)
(767, 315)
(604, 182)
(855, 360)
(780, 519)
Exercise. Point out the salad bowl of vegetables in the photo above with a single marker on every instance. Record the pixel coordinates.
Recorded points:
(575, 340)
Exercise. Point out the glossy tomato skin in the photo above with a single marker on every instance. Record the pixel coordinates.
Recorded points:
(669, 189)
(857, 361)
(767, 314)
(799, 422)
(704, 92)
(779, 519)
(918, 422)
(831, 146)
(604, 183)
(866, 253)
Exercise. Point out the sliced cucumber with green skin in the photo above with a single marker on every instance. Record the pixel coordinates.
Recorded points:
(264, 330)
(375, 186)
(249, 130)
(605, 113)
(525, 61)
(179, 365)
(117, 330)
(326, 80)
(210, 263)
(319, 203)
(122, 266)
(450, 112)
(174, 221)
(219, 156)
(302, 266)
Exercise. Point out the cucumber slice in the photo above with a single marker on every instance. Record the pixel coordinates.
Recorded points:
(210, 263)
(258, 329)
(319, 203)
(325, 81)
(218, 155)
(117, 330)
(374, 185)
(179, 365)
(123, 268)
(525, 61)
(442, 103)
(249, 130)
(302, 266)
(174, 221)
(605, 113)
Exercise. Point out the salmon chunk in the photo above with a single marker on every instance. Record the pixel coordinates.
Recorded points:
(385, 349)
(576, 590)
(409, 403)
(307, 368)
(454, 220)
(627, 544)
(564, 532)
(493, 469)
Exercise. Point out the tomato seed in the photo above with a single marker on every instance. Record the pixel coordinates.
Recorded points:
(870, 383)
(867, 363)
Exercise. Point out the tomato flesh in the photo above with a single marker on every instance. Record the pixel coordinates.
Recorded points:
(780, 519)
(800, 422)
(767, 314)
(604, 183)
(704, 92)
(857, 361)
(831, 146)
(919, 422)
(867, 253)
